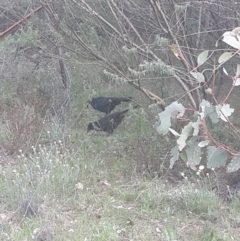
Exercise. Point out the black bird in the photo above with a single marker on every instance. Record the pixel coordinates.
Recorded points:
(107, 104)
(108, 123)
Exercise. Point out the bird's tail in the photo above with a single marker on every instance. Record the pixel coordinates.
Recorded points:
(126, 99)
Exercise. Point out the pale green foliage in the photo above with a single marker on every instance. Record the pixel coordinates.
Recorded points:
(195, 126)
(236, 82)
(26, 37)
(225, 57)
(234, 165)
(208, 91)
(157, 67)
(217, 157)
(160, 41)
(186, 131)
(129, 51)
(136, 74)
(175, 155)
(93, 38)
(114, 77)
(198, 76)
(172, 111)
(236, 79)
(188, 138)
(193, 152)
(210, 111)
(202, 57)
(232, 38)
(224, 111)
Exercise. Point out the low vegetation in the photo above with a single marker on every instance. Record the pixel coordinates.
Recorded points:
(91, 192)
(169, 170)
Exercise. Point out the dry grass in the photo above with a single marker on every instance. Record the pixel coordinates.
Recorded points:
(95, 187)
(90, 194)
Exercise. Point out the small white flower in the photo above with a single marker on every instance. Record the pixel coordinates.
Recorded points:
(79, 186)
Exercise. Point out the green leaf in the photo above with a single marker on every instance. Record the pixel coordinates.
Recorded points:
(173, 110)
(225, 57)
(234, 165)
(208, 110)
(211, 237)
(175, 133)
(225, 71)
(216, 157)
(202, 57)
(194, 117)
(230, 39)
(208, 91)
(205, 103)
(211, 112)
(224, 111)
(195, 126)
(175, 155)
(237, 81)
(193, 153)
(165, 119)
(198, 76)
(203, 143)
(203, 106)
(186, 131)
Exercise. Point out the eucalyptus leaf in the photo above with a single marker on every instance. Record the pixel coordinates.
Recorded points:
(202, 57)
(175, 155)
(234, 165)
(216, 157)
(225, 57)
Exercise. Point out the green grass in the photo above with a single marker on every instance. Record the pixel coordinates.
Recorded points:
(85, 193)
